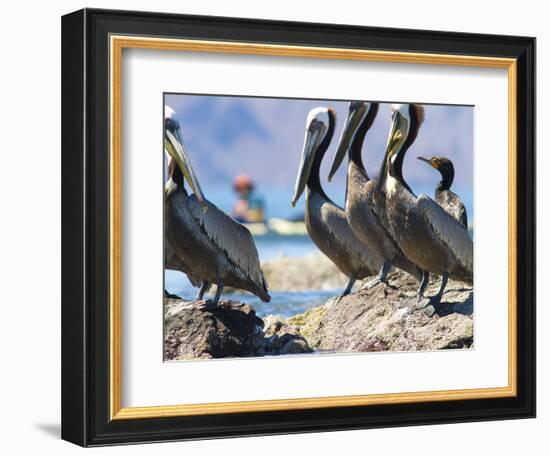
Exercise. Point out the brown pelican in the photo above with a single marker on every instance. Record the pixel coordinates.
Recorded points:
(447, 199)
(210, 245)
(360, 212)
(427, 235)
(325, 221)
(175, 263)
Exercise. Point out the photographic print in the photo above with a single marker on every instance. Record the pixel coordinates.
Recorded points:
(270, 225)
(297, 226)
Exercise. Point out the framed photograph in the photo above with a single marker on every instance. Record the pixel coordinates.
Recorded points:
(277, 227)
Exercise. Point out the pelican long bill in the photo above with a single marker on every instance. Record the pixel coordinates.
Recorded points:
(396, 138)
(314, 135)
(174, 145)
(356, 114)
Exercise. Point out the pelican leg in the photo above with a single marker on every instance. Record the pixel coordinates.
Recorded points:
(204, 288)
(352, 280)
(336, 299)
(383, 275)
(439, 294)
(209, 304)
(219, 289)
(381, 278)
(423, 285)
(433, 304)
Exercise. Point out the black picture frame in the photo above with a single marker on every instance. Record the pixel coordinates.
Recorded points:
(85, 227)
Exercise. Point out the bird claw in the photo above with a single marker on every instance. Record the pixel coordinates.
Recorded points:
(334, 301)
(408, 302)
(429, 306)
(429, 310)
(371, 284)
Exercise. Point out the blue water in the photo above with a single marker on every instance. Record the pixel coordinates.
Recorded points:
(282, 303)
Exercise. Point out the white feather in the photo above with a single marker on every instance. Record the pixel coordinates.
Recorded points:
(391, 185)
(320, 113)
(169, 113)
(402, 109)
(170, 186)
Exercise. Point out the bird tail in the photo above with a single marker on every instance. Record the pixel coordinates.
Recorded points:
(263, 294)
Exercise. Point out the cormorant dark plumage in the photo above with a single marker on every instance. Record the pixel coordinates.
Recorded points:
(360, 210)
(425, 232)
(207, 243)
(446, 198)
(325, 221)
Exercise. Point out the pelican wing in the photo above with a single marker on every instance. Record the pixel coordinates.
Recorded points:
(463, 216)
(449, 231)
(337, 224)
(175, 263)
(233, 238)
(453, 205)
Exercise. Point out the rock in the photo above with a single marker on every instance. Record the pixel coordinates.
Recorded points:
(385, 318)
(229, 330)
(282, 338)
(311, 272)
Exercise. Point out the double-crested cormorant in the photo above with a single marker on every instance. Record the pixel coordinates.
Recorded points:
(447, 199)
(208, 244)
(325, 221)
(360, 213)
(427, 235)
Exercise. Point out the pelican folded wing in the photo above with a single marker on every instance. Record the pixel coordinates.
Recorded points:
(451, 233)
(232, 237)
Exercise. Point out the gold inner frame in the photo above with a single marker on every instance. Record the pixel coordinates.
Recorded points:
(117, 44)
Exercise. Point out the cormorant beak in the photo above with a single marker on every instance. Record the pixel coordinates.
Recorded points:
(396, 138)
(314, 136)
(432, 163)
(174, 145)
(356, 114)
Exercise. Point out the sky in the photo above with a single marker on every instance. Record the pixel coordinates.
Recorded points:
(263, 137)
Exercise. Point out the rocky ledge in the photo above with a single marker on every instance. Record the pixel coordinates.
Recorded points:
(386, 318)
(232, 329)
(382, 318)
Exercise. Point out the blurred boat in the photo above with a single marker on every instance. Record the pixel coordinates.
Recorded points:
(257, 228)
(287, 227)
(279, 226)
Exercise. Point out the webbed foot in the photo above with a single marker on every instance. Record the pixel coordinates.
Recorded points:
(371, 284)
(429, 306)
(335, 300)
